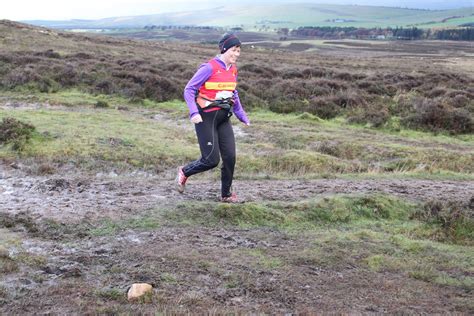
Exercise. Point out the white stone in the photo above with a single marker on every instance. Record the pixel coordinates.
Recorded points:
(137, 290)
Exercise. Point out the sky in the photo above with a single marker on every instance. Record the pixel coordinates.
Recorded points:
(19, 10)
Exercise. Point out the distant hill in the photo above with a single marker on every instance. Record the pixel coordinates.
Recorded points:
(282, 15)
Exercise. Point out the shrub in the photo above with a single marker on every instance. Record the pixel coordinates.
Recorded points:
(160, 89)
(343, 76)
(315, 72)
(349, 98)
(20, 76)
(324, 107)
(105, 87)
(175, 67)
(292, 73)
(455, 219)
(287, 106)
(67, 76)
(262, 71)
(409, 84)
(374, 114)
(460, 121)
(101, 104)
(329, 148)
(434, 115)
(82, 55)
(460, 101)
(15, 132)
(331, 84)
(262, 89)
(249, 101)
(49, 53)
(437, 92)
(467, 93)
(290, 89)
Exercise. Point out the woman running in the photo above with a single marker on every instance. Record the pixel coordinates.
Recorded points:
(212, 97)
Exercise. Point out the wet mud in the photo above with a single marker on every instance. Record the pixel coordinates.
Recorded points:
(193, 269)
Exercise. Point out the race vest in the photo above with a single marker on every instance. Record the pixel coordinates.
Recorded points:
(220, 85)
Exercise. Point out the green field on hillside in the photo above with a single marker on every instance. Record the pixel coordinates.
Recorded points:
(269, 17)
(293, 16)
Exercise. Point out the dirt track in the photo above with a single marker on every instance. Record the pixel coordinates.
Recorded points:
(196, 269)
(72, 198)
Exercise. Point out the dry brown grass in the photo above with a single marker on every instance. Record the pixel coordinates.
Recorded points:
(282, 81)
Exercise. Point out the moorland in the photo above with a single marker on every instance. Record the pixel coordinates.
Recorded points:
(355, 176)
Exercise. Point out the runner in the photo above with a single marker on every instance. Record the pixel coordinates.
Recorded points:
(212, 97)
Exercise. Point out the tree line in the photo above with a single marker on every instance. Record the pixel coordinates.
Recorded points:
(412, 33)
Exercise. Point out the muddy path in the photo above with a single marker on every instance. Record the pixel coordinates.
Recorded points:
(72, 198)
(194, 268)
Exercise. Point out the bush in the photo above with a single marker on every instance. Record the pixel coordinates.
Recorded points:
(454, 219)
(435, 115)
(250, 101)
(67, 76)
(315, 72)
(104, 87)
(49, 53)
(349, 98)
(291, 74)
(287, 106)
(343, 76)
(261, 71)
(15, 132)
(374, 114)
(101, 104)
(437, 92)
(460, 101)
(324, 107)
(20, 76)
(160, 89)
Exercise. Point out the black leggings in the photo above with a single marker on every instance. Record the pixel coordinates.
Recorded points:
(215, 135)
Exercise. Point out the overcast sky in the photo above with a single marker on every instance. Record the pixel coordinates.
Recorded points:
(95, 9)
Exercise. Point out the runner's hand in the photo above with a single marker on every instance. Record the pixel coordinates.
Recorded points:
(196, 119)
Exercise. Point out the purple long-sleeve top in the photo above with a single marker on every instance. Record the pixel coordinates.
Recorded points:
(200, 77)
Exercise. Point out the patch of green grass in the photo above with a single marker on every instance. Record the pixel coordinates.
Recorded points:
(169, 278)
(437, 175)
(71, 98)
(376, 232)
(8, 265)
(147, 142)
(381, 249)
(340, 148)
(275, 146)
(263, 259)
(111, 227)
(111, 294)
(232, 281)
(29, 259)
(431, 275)
(290, 216)
(375, 262)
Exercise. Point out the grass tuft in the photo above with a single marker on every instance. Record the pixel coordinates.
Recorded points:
(324, 211)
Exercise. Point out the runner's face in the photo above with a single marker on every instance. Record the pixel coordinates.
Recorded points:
(231, 56)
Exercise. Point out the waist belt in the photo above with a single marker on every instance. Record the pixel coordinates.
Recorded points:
(225, 104)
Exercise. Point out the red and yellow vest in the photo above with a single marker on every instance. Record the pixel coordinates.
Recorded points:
(220, 80)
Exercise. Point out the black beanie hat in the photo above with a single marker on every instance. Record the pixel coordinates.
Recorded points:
(228, 41)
